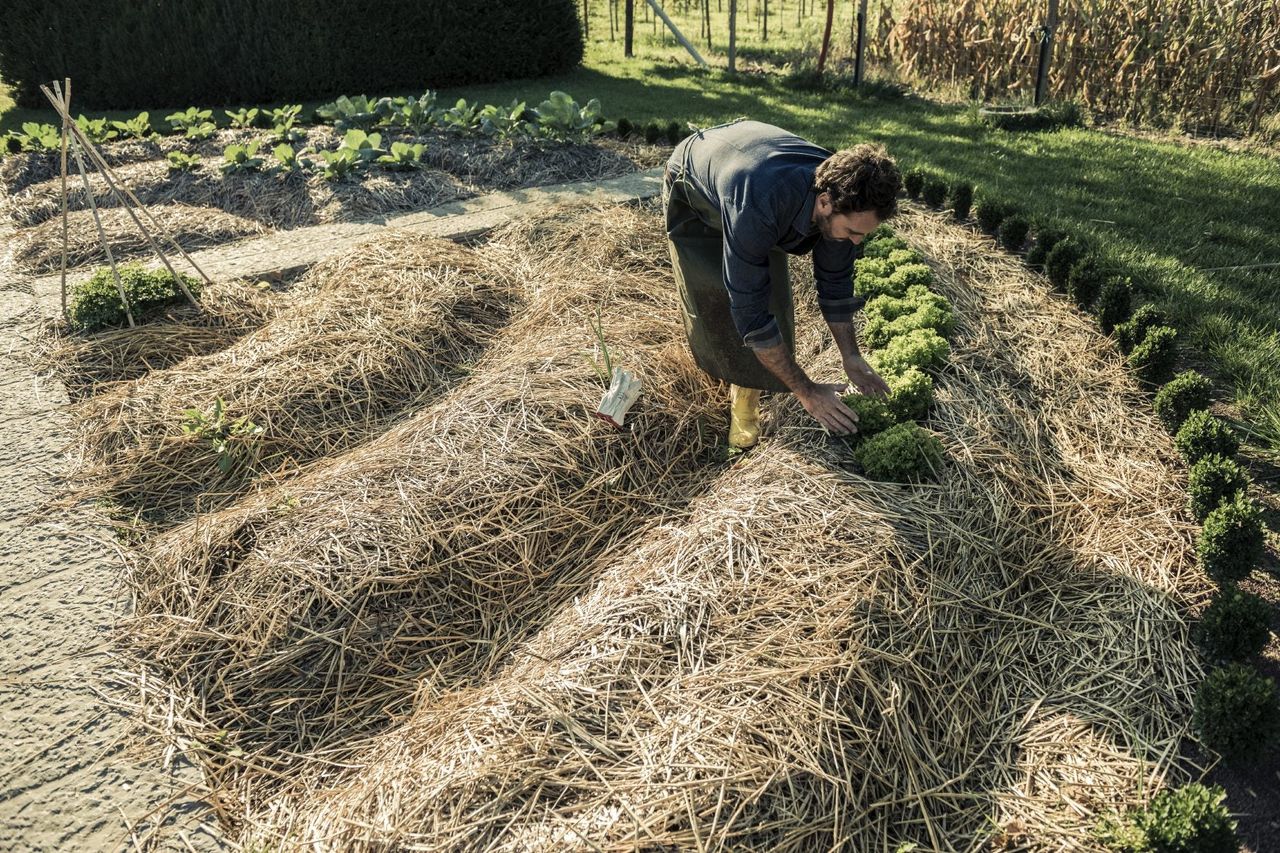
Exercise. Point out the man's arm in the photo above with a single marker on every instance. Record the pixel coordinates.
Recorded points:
(859, 372)
(819, 400)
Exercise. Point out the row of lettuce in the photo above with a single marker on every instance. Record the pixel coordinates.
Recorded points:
(1236, 708)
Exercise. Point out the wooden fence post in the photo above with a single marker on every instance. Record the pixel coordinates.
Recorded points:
(1047, 33)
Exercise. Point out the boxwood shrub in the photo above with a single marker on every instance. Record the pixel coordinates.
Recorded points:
(913, 182)
(1115, 302)
(1154, 359)
(991, 212)
(1132, 332)
(1236, 712)
(1186, 393)
(1190, 819)
(934, 192)
(1084, 281)
(1202, 434)
(1045, 239)
(1013, 232)
(1061, 258)
(961, 199)
(1231, 542)
(1234, 627)
(1212, 481)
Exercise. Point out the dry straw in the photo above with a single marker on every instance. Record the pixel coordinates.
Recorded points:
(380, 329)
(456, 168)
(502, 625)
(1206, 62)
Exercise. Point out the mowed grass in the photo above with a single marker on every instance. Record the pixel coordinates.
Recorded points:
(1195, 225)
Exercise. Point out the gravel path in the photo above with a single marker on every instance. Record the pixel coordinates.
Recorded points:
(69, 779)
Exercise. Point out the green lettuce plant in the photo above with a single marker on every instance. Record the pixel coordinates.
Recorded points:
(350, 112)
(95, 304)
(902, 453)
(180, 162)
(241, 158)
(138, 127)
(243, 118)
(97, 130)
(921, 348)
(562, 119)
(403, 156)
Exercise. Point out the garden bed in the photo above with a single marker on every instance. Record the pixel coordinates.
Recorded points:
(492, 619)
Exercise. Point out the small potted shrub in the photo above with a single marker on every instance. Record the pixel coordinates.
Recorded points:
(1046, 238)
(1235, 626)
(1202, 434)
(1213, 481)
(1115, 301)
(1231, 542)
(961, 199)
(922, 348)
(873, 414)
(991, 212)
(910, 394)
(1154, 358)
(1061, 258)
(913, 182)
(1186, 393)
(1013, 233)
(934, 192)
(1131, 332)
(901, 454)
(1084, 281)
(1190, 819)
(1236, 711)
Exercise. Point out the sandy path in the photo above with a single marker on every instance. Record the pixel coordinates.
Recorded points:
(67, 779)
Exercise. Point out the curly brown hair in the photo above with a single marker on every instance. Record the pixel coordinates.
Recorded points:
(863, 177)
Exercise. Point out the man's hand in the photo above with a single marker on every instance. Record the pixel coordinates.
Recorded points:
(824, 403)
(862, 377)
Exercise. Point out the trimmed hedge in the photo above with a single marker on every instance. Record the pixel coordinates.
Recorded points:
(124, 53)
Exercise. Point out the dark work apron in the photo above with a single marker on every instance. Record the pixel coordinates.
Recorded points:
(696, 240)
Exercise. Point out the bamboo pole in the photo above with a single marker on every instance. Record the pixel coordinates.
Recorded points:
(93, 208)
(65, 238)
(671, 25)
(121, 193)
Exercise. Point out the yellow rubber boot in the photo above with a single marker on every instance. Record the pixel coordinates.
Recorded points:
(744, 417)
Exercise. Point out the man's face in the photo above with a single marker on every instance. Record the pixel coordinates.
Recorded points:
(853, 227)
(843, 226)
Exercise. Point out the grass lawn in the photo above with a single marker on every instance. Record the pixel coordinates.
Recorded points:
(1181, 218)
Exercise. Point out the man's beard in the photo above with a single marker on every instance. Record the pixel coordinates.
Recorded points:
(824, 226)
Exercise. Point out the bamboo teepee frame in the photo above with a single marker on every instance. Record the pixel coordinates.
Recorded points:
(75, 140)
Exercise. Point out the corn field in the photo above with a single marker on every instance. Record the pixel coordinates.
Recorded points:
(1210, 65)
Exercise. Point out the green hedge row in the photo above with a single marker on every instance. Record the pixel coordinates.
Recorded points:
(130, 53)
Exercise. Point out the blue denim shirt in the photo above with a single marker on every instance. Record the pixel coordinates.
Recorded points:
(760, 178)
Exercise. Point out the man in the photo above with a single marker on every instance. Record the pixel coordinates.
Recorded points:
(739, 198)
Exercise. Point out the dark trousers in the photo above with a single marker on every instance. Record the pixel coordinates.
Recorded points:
(696, 240)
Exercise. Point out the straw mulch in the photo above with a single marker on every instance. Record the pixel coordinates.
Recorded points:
(379, 330)
(456, 167)
(39, 249)
(90, 364)
(501, 625)
(306, 615)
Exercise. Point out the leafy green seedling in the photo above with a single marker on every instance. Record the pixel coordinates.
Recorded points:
(180, 162)
(138, 127)
(227, 437)
(403, 156)
(98, 130)
(241, 158)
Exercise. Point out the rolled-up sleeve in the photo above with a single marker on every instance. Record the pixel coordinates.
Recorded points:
(749, 234)
(833, 276)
